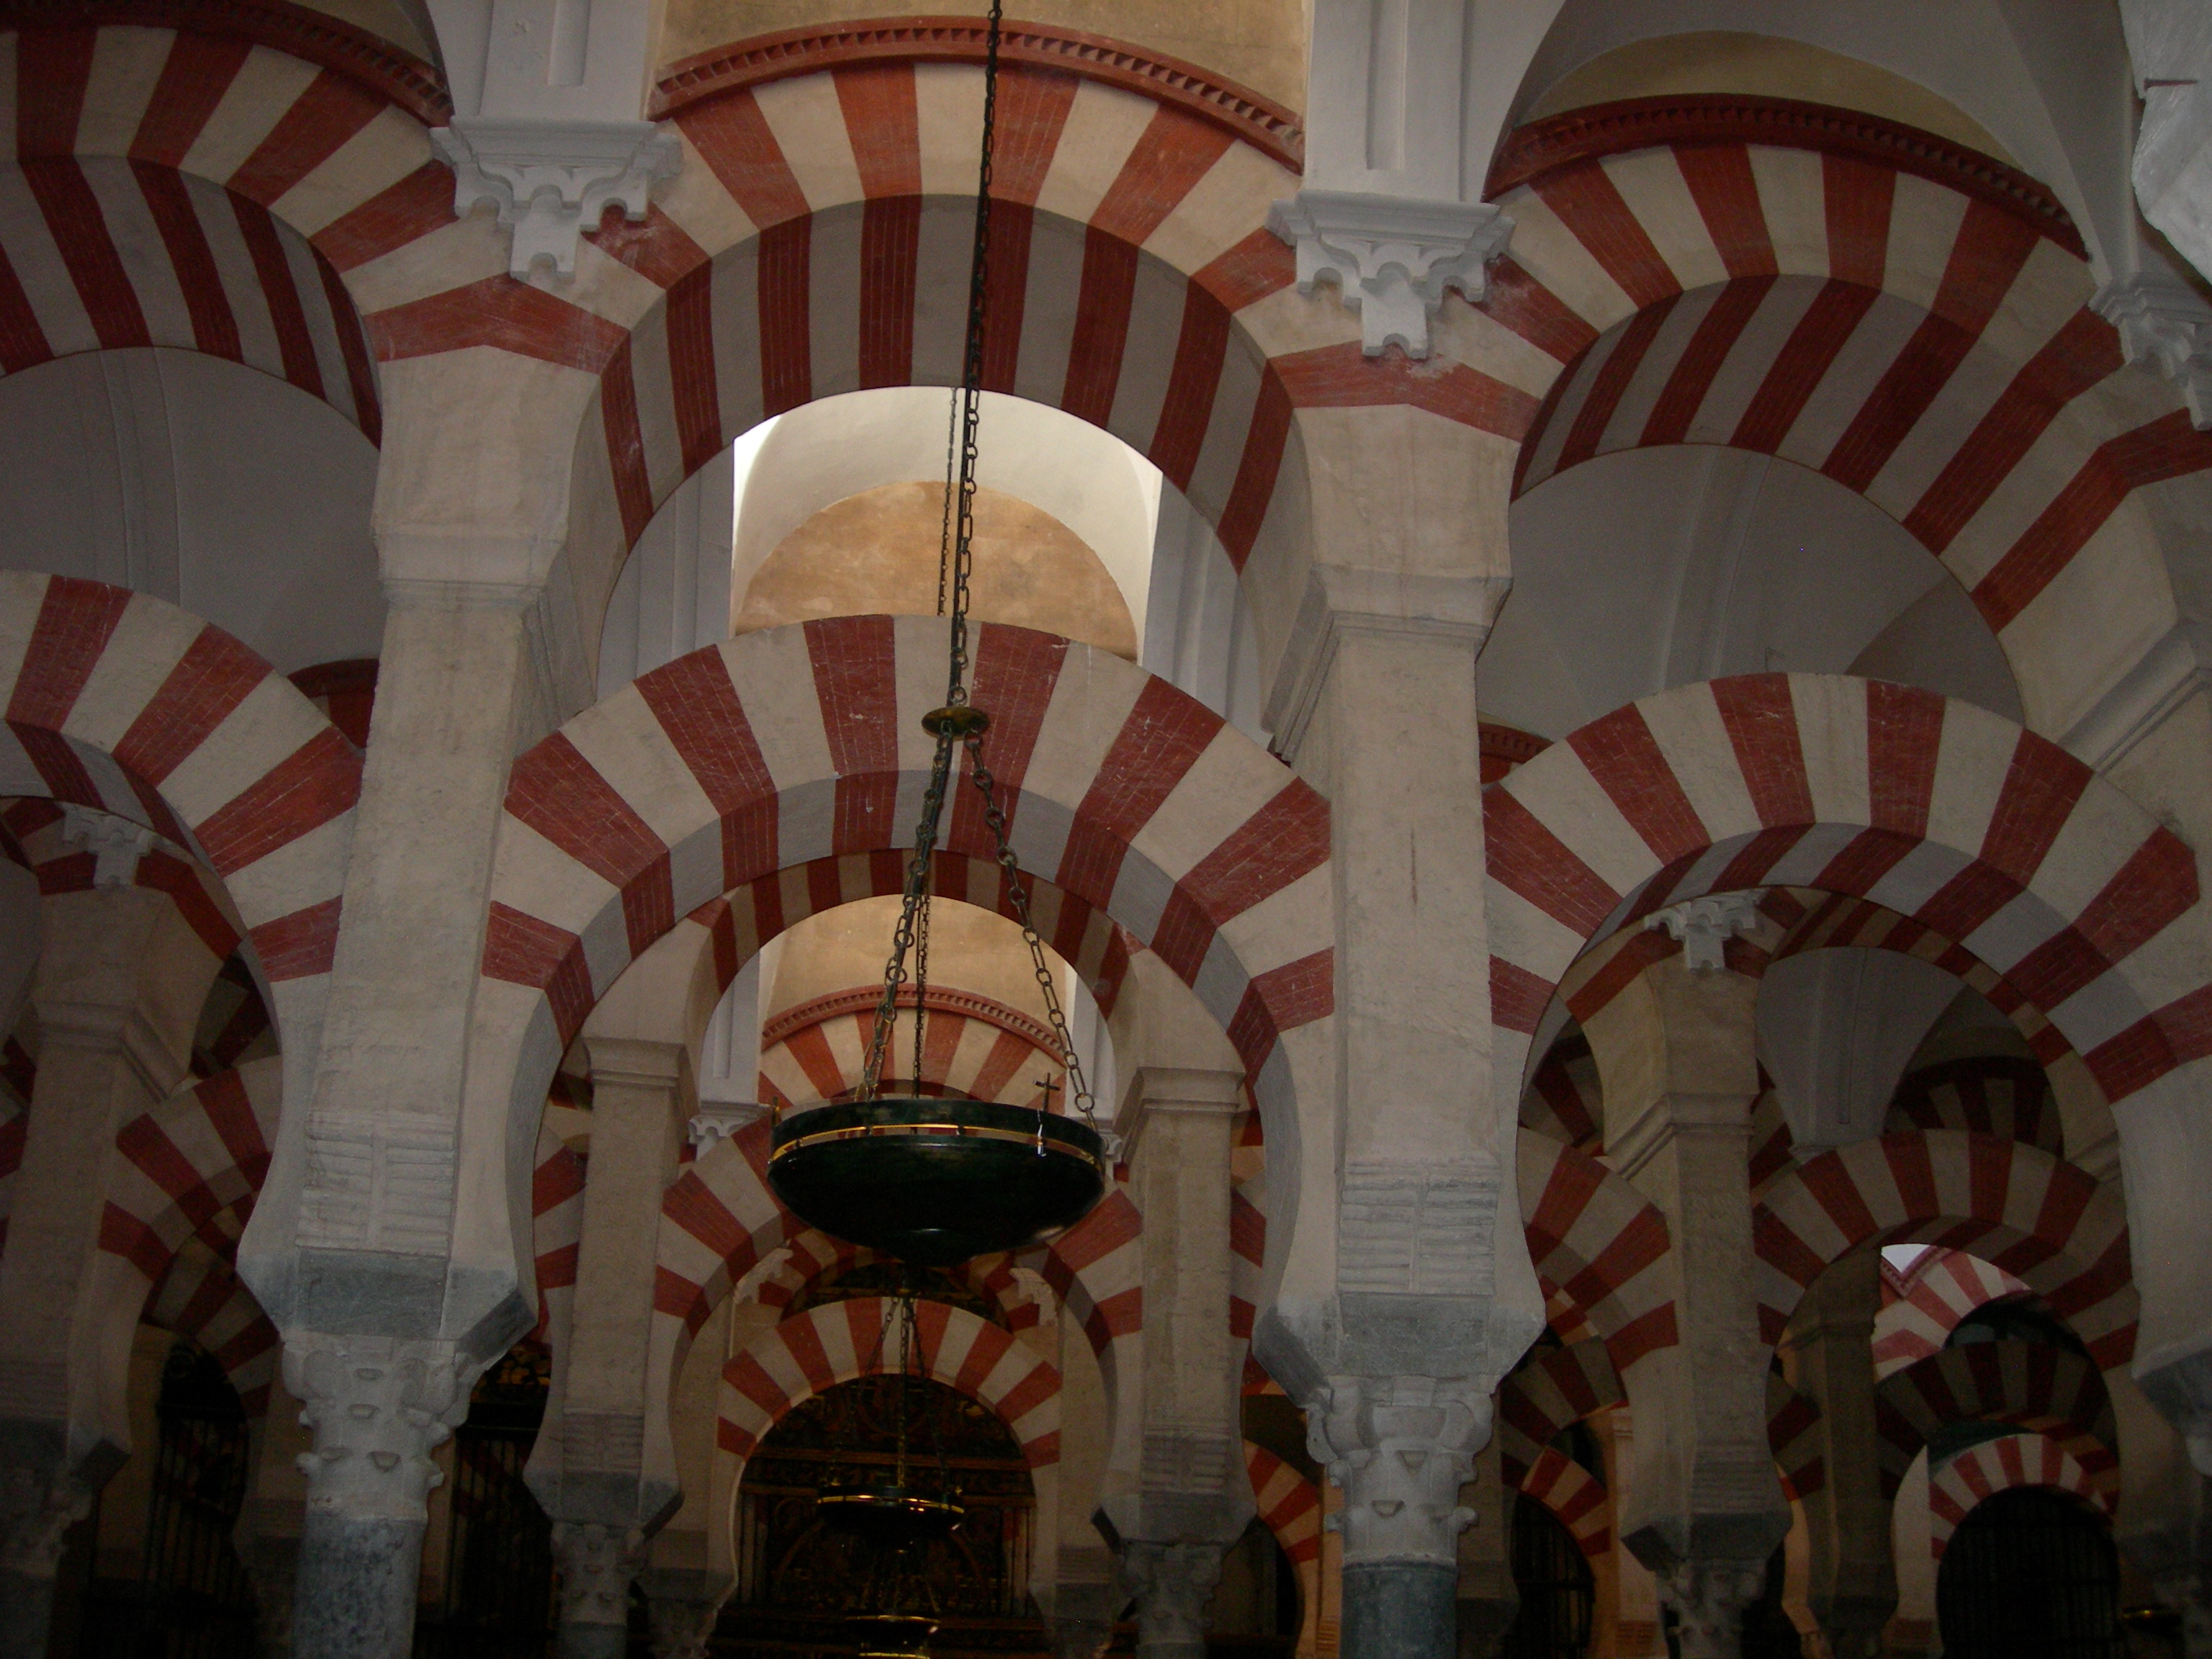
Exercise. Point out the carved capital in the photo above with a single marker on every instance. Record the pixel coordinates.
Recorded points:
(37, 1508)
(378, 1406)
(116, 844)
(597, 1564)
(1709, 1597)
(1400, 1447)
(1391, 257)
(1171, 1584)
(2166, 328)
(715, 1121)
(1705, 926)
(552, 181)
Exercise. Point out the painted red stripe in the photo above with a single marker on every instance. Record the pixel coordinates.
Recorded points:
(2152, 890)
(1539, 316)
(1625, 759)
(361, 381)
(399, 214)
(1527, 858)
(1173, 152)
(1016, 673)
(214, 675)
(1828, 322)
(500, 313)
(160, 873)
(215, 329)
(699, 709)
(2042, 786)
(96, 267)
(22, 340)
(75, 620)
(890, 255)
(1727, 194)
(1858, 198)
(52, 67)
(656, 247)
(878, 101)
(1761, 721)
(2167, 448)
(625, 441)
(1635, 953)
(1101, 325)
(1591, 205)
(299, 946)
(2085, 351)
(1749, 867)
(563, 796)
(1033, 106)
(1611, 384)
(1714, 336)
(1257, 469)
(1259, 265)
(280, 291)
(1161, 739)
(314, 784)
(195, 76)
(1343, 377)
(734, 139)
(1986, 259)
(854, 661)
(1201, 347)
(782, 269)
(691, 376)
(1518, 997)
(1904, 737)
(321, 120)
(811, 1048)
(1286, 840)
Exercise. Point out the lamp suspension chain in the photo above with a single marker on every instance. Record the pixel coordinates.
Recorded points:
(959, 724)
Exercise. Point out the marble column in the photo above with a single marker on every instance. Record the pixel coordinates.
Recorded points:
(118, 990)
(1704, 1508)
(1827, 1354)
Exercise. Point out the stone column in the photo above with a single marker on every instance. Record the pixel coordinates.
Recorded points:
(589, 1470)
(1827, 1354)
(1194, 1498)
(377, 1407)
(1703, 1506)
(118, 990)
(1408, 1293)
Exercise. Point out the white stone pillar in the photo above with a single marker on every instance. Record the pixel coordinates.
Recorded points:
(118, 990)
(1827, 1354)
(1704, 1507)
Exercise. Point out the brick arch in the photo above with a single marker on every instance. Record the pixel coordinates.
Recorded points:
(815, 1351)
(557, 1214)
(1288, 1503)
(1565, 1099)
(1995, 1465)
(122, 702)
(2064, 1233)
(2031, 1385)
(201, 1296)
(1547, 1391)
(808, 1255)
(1872, 303)
(1985, 1094)
(1598, 1246)
(1935, 809)
(1576, 1497)
(1921, 1307)
(974, 1045)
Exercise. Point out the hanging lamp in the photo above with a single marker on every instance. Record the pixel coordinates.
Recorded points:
(936, 1179)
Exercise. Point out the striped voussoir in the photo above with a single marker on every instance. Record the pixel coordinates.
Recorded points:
(191, 1168)
(2036, 1386)
(202, 1296)
(973, 1046)
(1598, 1248)
(1578, 1498)
(1289, 1504)
(37, 828)
(813, 1352)
(1793, 1424)
(732, 770)
(1565, 1101)
(1741, 272)
(1995, 1465)
(1550, 1389)
(122, 702)
(2058, 1229)
(1921, 1307)
(809, 1257)
(1939, 811)
(1987, 1095)
(174, 188)
(235, 1024)
(556, 1212)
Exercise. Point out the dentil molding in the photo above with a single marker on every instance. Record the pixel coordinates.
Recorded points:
(550, 181)
(1391, 257)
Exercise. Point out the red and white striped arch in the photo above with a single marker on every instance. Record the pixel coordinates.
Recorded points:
(974, 1045)
(1793, 1434)
(37, 828)
(119, 702)
(1921, 1307)
(2060, 1231)
(1995, 1465)
(1990, 1094)
(2035, 1386)
(1987, 834)
(1577, 1497)
(1289, 1504)
(808, 1255)
(834, 1343)
(202, 1296)
(1906, 319)
(1565, 1101)
(179, 1168)
(1599, 1248)
(556, 1213)
(1547, 1392)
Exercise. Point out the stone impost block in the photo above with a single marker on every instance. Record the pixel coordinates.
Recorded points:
(550, 181)
(1391, 257)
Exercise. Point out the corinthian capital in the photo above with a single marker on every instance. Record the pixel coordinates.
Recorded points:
(378, 1407)
(1400, 1447)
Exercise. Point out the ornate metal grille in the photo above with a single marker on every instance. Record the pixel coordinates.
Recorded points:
(1558, 1593)
(499, 1554)
(2030, 1574)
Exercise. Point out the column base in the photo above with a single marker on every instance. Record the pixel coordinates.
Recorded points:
(1400, 1610)
(356, 1598)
